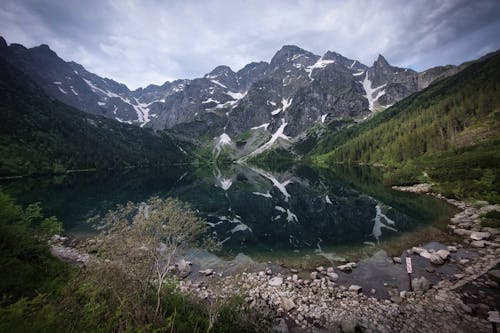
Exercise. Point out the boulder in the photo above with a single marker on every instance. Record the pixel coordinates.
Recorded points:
(452, 248)
(332, 276)
(276, 281)
(478, 235)
(444, 254)
(396, 260)
(287, 304)
(477, 244)
(420, 284)
(355, 288)
(314, 275)
(347, 267)
(349, 326)
(462, 232)
(494, 275)
(320, 269)
(207, 272)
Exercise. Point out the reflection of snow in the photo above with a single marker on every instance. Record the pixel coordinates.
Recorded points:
(221, 181)
(281, 186)
(265, 195)
(241, 227)
(291, 217)
(328, 201)
(377, 227)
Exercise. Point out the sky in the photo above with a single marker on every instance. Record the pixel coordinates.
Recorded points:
(153, 41)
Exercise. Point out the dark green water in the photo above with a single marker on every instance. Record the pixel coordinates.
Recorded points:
(258, 212)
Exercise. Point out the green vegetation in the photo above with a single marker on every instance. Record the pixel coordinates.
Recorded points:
(449, 134)
(39, 135)
(272, 157)
(127, 287)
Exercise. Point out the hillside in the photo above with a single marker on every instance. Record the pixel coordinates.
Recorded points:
(39, 134)
(448, 133)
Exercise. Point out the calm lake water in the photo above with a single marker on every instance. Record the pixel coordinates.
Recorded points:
(264, 214)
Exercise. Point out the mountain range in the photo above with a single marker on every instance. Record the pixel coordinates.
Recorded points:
(285, 97)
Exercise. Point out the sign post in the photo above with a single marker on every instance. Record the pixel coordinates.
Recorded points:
(409, 269)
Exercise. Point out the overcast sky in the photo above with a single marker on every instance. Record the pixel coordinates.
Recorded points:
(143, 42)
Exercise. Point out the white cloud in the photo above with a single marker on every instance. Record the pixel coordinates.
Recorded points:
(142, 42)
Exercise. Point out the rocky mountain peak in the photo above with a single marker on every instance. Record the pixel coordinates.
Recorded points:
(289, 53)
(221, 70)
(381, 62)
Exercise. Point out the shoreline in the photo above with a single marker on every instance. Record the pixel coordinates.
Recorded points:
(321, 304)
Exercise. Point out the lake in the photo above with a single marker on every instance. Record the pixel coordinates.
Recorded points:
(294, 213)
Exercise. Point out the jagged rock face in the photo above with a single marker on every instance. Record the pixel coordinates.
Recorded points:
(297, 88)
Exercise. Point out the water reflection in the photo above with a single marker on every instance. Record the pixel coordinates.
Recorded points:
(249, 209)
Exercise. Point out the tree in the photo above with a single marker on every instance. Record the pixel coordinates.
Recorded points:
(144, 240)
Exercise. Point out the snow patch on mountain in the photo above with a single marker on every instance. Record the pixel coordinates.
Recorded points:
(321, 63)
(264, 126)
(367, 85)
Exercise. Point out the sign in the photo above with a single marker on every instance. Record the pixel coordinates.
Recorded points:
(408, 265)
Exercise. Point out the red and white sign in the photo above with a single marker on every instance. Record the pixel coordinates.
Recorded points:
(408, 265)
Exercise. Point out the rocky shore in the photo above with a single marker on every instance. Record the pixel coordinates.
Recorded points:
(456, 286)
(459, 301)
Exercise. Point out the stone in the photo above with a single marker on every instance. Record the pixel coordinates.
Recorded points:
(494, 317)
(280, 326)
(348, 326)
(477, 235)
(477, 244)
(295, 277)
(207, 272)
(269, 271)
(420, 284)
(314, 275)
(287, 304)
(462, 232)
(332, 276)
(276, 281)
(396, 260)
(451, 248)
(294, 271)
(320, 269)
(347, 267)
(444, 254)
(355, 288)
(436, 259)
(430, 269)
(340, 259)
(463, 261)
(494, 275)
(329, 270)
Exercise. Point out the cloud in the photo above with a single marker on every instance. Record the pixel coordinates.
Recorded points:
(143, 42)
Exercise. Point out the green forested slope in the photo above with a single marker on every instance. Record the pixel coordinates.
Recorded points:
(41, 135)
(449, 133)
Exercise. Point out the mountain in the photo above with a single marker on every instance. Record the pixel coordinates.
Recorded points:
(448, 133)
(39, 134)
(295, 91)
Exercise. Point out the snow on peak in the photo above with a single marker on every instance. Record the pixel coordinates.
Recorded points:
(218, 83)
(321, 63)
(285, 104)
(323, 118)
(358, 74)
